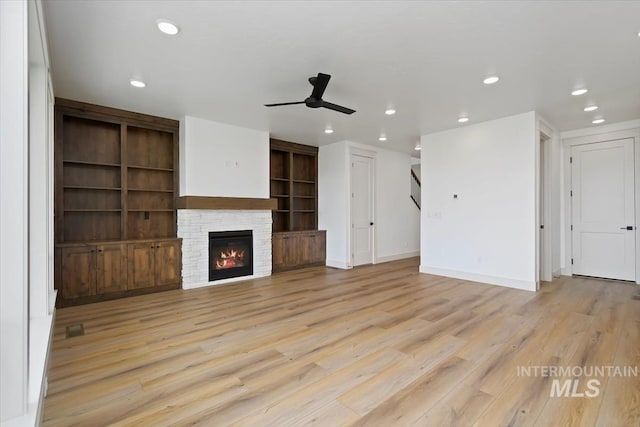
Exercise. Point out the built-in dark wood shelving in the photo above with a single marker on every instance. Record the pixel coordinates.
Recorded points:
(116, 181)
(296, 241)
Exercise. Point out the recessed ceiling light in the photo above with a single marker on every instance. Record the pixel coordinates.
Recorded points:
(328, 130)
(390, 111)
(491, 80)
(597, 121)
(167, 27)
(591, 108)
(137, 83)
(382, 138)
(418, 147)
(463, 119)
(578, 92)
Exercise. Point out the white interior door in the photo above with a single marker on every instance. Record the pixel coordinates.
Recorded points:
(603, 213)
(361, 210)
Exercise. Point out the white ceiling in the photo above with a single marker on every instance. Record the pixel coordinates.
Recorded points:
(427, 59)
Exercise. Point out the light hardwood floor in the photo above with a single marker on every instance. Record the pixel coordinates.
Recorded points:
(379, 345)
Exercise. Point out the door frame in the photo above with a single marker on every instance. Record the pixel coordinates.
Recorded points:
(372, 155)
(566, 188)
(545, 137)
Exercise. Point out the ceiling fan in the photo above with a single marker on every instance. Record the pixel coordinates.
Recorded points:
(315, 100)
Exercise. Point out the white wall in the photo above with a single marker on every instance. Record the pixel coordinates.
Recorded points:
(26, 227)
(488, 233)
(333, 211)
(222, 160)
(397, 219)
(13, 224)
(41, 237)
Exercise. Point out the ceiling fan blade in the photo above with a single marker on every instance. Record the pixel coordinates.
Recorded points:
(320, 85)
(339, 108)
(283, 103)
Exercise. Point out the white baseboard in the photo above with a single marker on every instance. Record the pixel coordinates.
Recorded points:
(524, 285)
(396, 257)
(337, 264)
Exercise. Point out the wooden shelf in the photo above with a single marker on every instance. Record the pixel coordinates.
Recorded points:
(150, 168)
(82, 187)
(282, 210)
(150, 210)
(280, 195)
(279, 179)
(304, 197)
(304, 210)
(86, 163)
(93, 210)
(149, 190)
(303, 181)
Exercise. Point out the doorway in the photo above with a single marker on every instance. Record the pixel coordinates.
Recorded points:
(603, 209)
(544, 240)
(362, 220)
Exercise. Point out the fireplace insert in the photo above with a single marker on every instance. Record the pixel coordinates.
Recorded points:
(230, 254)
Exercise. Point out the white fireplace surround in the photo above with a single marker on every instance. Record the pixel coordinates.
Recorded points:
(194, 226)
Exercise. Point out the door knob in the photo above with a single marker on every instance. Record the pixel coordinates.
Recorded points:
(628, 227)
(370, 223)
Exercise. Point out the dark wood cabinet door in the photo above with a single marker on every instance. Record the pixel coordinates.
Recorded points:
(291, 250)
(167, 262)
(294, 255)
(141, 260)
(278, 252)
(78, 271)
(319, 251)
(112, 268)
(314, 247)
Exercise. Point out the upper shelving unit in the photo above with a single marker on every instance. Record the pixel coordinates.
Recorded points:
(294, 172)
(115, 176)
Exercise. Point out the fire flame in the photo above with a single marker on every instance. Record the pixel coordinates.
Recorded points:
(229, 258)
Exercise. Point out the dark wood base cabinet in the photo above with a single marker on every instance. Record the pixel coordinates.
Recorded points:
(298, 249)
(97, 271)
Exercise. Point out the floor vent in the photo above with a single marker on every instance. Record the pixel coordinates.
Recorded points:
(75, 330)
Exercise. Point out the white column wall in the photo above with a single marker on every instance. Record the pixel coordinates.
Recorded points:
(479, 196)
(14, 280)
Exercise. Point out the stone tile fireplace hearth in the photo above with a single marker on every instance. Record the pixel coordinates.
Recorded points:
(194, 226)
